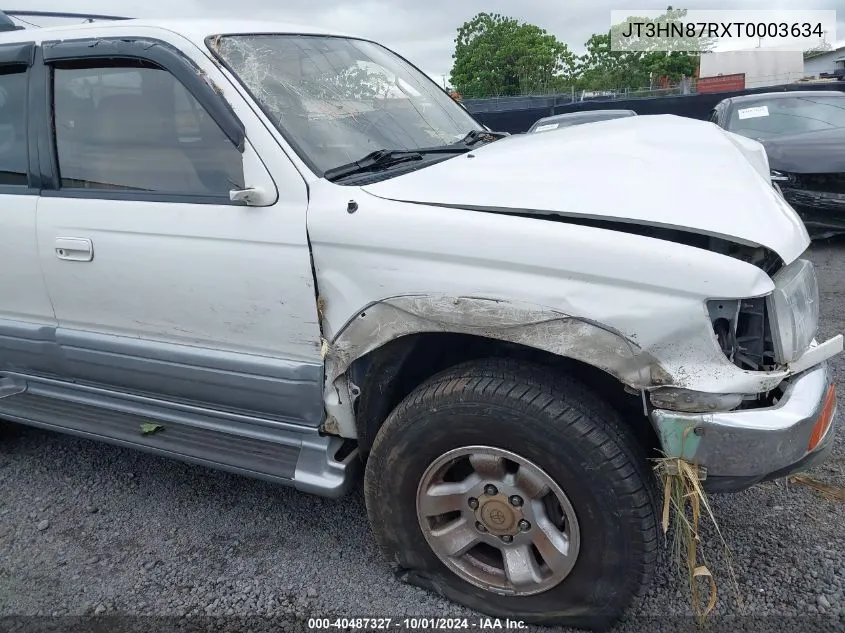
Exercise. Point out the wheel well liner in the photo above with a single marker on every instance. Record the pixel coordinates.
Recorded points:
(388, 374)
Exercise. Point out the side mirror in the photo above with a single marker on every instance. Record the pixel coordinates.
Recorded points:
(259, 190)
(253, 197)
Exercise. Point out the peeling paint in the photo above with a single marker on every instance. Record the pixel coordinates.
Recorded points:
(494, 318)
(321, 308)
(678, 438)
(331, 426)
(214, 43)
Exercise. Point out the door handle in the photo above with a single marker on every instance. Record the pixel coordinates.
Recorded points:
(75, 249)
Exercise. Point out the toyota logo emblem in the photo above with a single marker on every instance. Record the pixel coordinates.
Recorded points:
(497, 517)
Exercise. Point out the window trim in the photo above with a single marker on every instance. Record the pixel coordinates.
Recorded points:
(152, 51)
(13, 56)
(162, 54)
(17, 54)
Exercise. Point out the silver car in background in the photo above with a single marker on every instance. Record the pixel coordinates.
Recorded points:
(549, 123)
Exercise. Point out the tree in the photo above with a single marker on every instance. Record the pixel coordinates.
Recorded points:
(602, 68)
(668, 35)
(497, 55)
(616, 62)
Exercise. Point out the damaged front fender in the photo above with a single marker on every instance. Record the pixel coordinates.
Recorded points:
(537, 327)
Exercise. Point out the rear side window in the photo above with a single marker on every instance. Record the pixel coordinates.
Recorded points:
(13, 145)
(135, 127)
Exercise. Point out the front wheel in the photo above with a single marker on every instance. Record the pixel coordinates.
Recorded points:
(516, 493)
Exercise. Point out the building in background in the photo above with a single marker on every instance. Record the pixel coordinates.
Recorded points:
(821, 64)
(760, 66)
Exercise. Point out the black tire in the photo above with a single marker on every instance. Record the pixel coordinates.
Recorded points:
(567, 431)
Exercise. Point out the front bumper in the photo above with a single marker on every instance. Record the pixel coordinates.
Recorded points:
(822, 213)
(738, 449)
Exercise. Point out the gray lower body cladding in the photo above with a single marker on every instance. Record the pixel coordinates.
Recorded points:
(283, 453)
(285, 389)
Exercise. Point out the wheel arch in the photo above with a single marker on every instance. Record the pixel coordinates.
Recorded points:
(391, 346)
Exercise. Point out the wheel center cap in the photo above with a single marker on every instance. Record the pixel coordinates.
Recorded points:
(498, 516)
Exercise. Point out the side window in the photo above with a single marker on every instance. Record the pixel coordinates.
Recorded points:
(134, 127)
(13, 145)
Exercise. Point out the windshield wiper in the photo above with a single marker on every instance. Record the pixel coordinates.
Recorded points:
(373, 160)
(383, 158)
(474, 136)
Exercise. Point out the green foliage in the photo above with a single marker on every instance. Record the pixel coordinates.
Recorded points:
(614, 63)
(602, 68)
(663, 39)
(496, 55)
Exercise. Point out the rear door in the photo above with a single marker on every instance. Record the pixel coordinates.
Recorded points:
(163, 285)
(27, 322)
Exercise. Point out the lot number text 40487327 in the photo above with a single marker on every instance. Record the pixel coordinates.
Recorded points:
(417, 624)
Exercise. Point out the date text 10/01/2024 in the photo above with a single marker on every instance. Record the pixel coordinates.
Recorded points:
(417, 624)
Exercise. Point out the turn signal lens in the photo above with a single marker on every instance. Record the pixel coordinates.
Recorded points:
(825, 418)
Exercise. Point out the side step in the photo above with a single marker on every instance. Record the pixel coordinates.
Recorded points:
(11, 387)
(267, 449)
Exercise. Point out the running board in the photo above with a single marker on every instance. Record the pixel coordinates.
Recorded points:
(11, 387)
(266, 449)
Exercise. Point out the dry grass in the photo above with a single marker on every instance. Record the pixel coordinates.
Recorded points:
(684, 504)
(824, 490)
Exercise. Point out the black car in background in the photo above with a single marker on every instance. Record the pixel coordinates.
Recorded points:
(549, 123)
(804, 136)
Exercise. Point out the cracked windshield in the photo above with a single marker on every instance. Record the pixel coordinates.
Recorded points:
(340, 99)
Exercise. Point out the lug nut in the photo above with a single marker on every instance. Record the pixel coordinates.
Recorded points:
(473, 503)
(490, 490)
(507, 538)
(480, 527)
(516, 501)
(524, 525)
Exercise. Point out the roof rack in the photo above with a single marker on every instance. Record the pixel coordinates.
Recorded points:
(6, 23)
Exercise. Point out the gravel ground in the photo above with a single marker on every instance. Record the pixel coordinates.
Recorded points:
(91, 529)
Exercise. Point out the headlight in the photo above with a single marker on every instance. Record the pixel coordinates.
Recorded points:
(794, 310)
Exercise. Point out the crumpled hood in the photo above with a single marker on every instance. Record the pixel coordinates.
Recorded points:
(661, 170)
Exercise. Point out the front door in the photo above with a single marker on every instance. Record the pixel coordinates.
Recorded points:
(27, 322)
(161, 284)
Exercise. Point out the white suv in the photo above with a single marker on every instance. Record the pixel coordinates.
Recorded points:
(288, 253)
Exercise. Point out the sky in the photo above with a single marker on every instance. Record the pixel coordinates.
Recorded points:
(421, 30)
